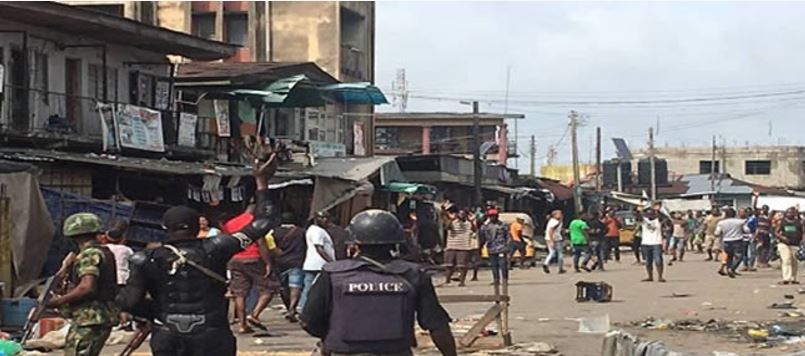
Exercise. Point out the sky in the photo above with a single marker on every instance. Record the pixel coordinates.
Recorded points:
(691, 70)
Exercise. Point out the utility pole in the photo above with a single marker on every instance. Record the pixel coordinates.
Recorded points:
(476, 154)
(713, 169)
(575, 152)
(651, 163)
(598, 159)
(506, 111)
(533, 153)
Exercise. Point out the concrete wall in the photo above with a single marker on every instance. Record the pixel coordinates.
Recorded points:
(174, 15)
(786, 163)
(306, 32)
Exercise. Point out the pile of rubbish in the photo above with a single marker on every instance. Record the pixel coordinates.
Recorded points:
(56, 339)
(764, 334)
(525, 349)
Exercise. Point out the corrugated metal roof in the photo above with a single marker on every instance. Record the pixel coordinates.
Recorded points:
(437, 116)
(159, 166)
(357, 168)
(352, 169)
(244, 73)
(700, 184)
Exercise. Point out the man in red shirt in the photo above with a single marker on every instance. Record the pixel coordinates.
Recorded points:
(249, 268)
(612, 235)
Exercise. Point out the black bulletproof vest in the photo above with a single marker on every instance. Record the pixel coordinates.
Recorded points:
(372, 312)
(182, 290)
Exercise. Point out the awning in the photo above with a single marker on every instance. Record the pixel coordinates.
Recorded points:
(358, 169)
(293, 91)
(410, 188)
(357, 93)
(329, 193)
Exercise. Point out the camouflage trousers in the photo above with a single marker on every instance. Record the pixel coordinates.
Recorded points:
(86, 340)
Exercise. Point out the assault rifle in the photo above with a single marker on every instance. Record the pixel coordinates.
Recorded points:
(143, 330)
(54, 282)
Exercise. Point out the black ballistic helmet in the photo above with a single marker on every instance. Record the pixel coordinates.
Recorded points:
(375, 227)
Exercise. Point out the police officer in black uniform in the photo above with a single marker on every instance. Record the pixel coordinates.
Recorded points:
(367, 304)
(184, 279)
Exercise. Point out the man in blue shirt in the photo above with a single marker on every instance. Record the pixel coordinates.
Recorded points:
(495, 237)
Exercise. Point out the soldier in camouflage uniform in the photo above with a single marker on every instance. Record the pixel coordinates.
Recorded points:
(89, 302)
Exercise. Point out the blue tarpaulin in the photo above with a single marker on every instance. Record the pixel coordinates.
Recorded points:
(144, 220)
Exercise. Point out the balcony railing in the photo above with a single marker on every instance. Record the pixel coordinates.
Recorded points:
(35, 111)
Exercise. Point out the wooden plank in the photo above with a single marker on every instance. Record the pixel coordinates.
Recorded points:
(475, 331)
(456, 298)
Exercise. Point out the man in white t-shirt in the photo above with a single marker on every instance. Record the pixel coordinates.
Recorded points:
(114, 241)
(651, 245)
(320, 250)
(553, 238)
(115, 238)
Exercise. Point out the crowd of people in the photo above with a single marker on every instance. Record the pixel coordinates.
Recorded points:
(739, 240)
(181, 286)
(325, 275)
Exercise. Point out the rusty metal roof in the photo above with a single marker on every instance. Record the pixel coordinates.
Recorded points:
(246, 73)
(113, 29)
(440, 116)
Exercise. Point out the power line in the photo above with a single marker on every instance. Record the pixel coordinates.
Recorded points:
(626, 102)
(714, 89)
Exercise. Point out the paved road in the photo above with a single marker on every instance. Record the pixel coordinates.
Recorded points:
(550, 298)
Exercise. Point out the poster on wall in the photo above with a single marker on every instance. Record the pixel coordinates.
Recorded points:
(162, 94)
(106, 112)
(187, 129)
(360, 149)
(140, 128)
(222, 118)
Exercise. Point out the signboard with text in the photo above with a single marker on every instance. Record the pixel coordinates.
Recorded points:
(187, 129)
(140, 128)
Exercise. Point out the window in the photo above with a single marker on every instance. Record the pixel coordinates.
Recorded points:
(758, 167)
(706, 167)
(204, 25)
(236, 29)
(387, 137)
(95, 82)
(41, 76)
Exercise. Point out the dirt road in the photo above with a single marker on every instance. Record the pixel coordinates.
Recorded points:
(541, 305)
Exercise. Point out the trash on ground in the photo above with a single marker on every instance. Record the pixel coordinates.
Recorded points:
(53, 340)
(763, 334)
(524, 349)
(119, 337)
(782, 305)
(679, 295)
(594, 324)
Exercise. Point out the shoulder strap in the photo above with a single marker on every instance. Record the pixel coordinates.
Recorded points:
(385, 269)
(182, 259)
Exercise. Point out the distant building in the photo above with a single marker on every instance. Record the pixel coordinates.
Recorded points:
(564, 172)
(338, 36)
(441, 133)
(774, 166)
